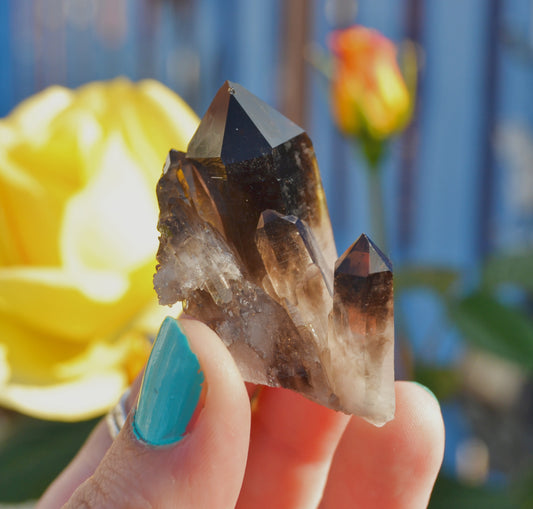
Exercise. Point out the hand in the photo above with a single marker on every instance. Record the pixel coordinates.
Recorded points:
(283, 452)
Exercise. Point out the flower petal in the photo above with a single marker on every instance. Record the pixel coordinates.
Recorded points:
(81, 398)
(78, 239)
(59, 303)
(111, 223)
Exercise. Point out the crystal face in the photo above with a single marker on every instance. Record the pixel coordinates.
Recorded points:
(246, 244)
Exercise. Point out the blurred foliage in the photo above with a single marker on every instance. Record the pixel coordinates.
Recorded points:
(452, 493)
(487, 322)
(34, 452)
(497, 328)
(439, 280)
(509, 269)
(444, 382)
(504, 329)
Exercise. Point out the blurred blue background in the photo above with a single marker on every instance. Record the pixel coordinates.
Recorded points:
(458, 183)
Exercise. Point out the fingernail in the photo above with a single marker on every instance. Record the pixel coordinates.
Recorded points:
(426, 388)
(170, 389)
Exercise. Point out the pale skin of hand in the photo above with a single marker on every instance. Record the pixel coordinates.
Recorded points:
(282, 452)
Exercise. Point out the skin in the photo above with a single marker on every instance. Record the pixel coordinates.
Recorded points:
(280, 451)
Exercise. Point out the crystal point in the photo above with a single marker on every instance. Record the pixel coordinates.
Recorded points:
(361, 332)
(239, 126)
(246, 245)
(363, 258)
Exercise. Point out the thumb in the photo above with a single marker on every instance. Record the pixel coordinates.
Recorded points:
(186, 443)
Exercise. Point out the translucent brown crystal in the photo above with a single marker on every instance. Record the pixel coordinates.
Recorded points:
(246, 244)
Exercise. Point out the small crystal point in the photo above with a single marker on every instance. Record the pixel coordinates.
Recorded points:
(287, 243)
(361, 332)
(238, 127)
(296, 273)
(363, 258)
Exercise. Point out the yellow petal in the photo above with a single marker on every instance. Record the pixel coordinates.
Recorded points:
(33, 356)
(32, 117)
(81, 398)
(31, 362)
(111, 223)
(18, 193)
(152, 120)
(176, 111)
(38, 171)
(78, 213)
(69, 305)
(392, 88)
(5, 370)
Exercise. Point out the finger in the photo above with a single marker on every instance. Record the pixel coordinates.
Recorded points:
(390, 467)
(88, 458)
(205, 467)
(291, 446)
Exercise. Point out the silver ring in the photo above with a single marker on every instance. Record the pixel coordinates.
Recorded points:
(116, 417)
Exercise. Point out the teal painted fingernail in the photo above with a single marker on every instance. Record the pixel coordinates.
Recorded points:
(426, 388)
(171, 388)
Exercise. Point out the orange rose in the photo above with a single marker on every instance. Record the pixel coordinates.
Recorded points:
(369, 95)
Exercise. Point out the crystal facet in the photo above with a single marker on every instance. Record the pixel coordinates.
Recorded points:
(247, 245)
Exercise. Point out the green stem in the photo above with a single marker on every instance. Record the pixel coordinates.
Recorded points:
(377, 208)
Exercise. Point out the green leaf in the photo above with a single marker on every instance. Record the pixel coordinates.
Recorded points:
(488, 324)
(449, 493)
(34, 454)
(439, 280)
(522, 489)
(514, 269)
(443, 382)
(373, 150)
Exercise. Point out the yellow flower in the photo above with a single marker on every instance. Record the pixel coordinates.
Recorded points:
(369, 95)
(78, 238)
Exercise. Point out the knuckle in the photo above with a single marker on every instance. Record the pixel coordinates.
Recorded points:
(109, 488)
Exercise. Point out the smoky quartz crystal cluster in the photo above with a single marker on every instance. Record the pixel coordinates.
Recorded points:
(246, 244)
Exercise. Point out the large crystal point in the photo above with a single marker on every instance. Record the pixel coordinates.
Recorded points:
(361, 335)
(252, 158)
(239, 127)
(246, 245)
